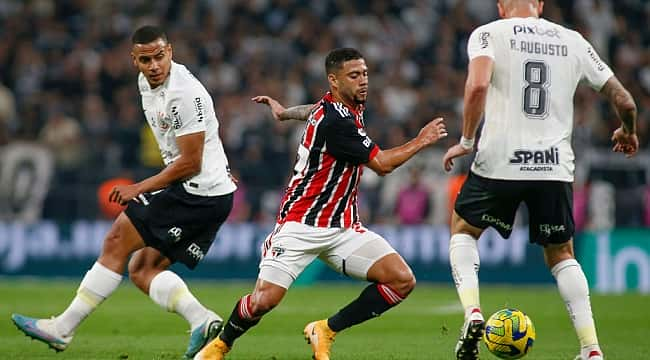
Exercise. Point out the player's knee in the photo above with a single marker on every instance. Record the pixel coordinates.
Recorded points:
(113, 251)
(265, 298)
(137, 277)
(404, 282)
(556, 253)
(262, 304)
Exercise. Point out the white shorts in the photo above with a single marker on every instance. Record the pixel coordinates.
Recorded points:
(292, 246)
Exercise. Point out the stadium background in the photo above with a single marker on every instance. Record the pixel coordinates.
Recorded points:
(70, 119)
(71, 123)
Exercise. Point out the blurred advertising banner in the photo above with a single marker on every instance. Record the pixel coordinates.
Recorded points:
(51, 249)
(25, 172)
(616, 261)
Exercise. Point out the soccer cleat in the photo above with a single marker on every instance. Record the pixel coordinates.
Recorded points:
(42, 330)
(321, 337)
(204, 334)
(590, 353)
(214, 350)
(470, 336)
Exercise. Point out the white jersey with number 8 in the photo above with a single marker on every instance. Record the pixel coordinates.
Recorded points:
(529, 109)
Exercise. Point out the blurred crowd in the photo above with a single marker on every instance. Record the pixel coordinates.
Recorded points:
(67, 83)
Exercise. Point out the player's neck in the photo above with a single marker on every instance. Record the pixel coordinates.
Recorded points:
(351, 104)
(523, 12)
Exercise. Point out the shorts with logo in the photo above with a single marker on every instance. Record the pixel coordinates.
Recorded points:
(182, 226)
(484, 202)
(292, 246)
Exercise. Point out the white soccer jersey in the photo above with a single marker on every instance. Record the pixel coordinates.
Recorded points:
(183, 106)
(529, 109)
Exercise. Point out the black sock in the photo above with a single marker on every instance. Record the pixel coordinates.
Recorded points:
(373, 301)
(239, 322)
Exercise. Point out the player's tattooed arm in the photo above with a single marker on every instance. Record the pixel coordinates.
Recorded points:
(280, 113)
(623, 103)
(299, 112)
(624, 138)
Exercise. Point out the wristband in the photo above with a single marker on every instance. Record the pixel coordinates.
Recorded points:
(466, 143)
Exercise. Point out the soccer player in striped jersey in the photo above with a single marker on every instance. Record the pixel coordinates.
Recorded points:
(523, 74)
(318, 217)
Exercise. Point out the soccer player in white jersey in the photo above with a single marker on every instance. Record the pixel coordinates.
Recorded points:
(523, 73)
(172, 216)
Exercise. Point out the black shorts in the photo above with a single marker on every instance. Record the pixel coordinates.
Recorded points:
(484, 202)
(182, 226)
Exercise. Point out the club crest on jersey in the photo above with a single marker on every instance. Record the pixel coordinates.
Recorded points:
(163, 121)
(277, 251)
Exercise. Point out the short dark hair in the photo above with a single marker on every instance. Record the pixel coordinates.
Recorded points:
(335, 59)
(147, 34)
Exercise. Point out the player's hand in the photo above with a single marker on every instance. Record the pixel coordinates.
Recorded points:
(276, 107)
(452, 153)
(625, 142)
(121, 194)
(433, 131)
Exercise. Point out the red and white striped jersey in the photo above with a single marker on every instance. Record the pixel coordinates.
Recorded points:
(329, 164)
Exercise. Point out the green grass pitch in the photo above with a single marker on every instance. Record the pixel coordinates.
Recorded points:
(130, 326)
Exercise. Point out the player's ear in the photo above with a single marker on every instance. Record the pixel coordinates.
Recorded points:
(540, 7)
(135, 62)
(502, 10)
(170, 50)
(331, 78)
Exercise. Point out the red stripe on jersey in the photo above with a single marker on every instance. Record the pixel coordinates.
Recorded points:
(311, 127)
(323, 219)
(351, 215)
(300, 207)
(373, 152)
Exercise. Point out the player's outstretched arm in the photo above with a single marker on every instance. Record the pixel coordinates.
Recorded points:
(624, 138)
(388, 160)
(280, 113)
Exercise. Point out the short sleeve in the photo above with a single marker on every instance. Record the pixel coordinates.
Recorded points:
(187, 114)
(481, 43)
(345, 141)
(594, 69)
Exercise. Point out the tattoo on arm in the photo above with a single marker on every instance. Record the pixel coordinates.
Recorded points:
(300, 112)
(623, 103)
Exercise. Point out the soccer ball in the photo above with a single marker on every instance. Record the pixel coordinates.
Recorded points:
(509, 334)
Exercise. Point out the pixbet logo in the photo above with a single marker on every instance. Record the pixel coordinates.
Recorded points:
(535, 30)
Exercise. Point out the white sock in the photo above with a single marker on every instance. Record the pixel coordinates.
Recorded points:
(465, 263)
(170, 292)
(572, 283)
(98, 284)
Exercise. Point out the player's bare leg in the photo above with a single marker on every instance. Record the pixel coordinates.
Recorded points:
(97, 285)
(148, 271)
(247, 313)
(574, 289)
(465, 262)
